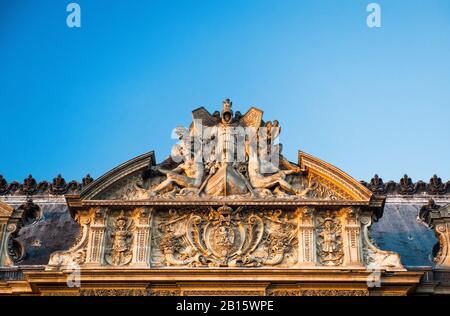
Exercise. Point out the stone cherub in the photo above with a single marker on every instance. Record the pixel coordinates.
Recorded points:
(271, 180)
(188, 174)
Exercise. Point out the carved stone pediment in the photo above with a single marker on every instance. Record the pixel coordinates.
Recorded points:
(226, 207)
(215, 210)
(225, 156)
(231, 209)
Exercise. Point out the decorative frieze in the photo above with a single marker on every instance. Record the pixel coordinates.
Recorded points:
(30, 186)
(164, 292)
(405, 186)
(220, 237)
(113, 292)
(58, 186)
(222, 293)
(318, 292)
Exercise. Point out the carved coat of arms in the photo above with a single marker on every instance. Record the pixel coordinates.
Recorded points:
(224, 237)
(119, 251)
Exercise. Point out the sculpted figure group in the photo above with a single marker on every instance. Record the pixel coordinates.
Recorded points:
(228, 155)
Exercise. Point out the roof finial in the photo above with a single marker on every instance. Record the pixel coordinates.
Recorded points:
(227, 105)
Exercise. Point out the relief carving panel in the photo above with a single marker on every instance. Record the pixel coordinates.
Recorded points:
(221, 237)
(120, 238)
(225, 237)
(329, 239)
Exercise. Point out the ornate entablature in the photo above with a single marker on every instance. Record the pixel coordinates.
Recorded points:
(206, 207)
(225, 214)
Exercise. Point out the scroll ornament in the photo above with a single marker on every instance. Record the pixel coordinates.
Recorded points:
(226, 238)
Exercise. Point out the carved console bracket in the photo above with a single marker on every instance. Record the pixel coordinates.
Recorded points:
(375, 258)
(11, 221)
(438, 218)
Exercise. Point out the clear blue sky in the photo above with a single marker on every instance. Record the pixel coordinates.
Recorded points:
(369, 100)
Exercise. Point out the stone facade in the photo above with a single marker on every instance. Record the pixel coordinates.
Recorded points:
(214, 224)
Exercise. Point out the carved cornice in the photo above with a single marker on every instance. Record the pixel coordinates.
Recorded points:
(406, 187)
(155, 282)
(75, 203)
(30, 186)
(138, 275)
